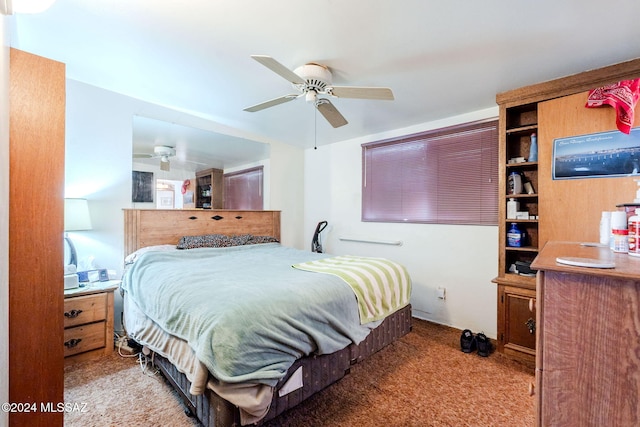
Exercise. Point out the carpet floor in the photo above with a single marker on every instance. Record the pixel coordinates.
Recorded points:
(423, 379)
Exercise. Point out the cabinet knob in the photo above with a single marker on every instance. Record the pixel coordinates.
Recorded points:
(532, 389)
(72, 342)
(531, 325)
(532, 304)
(72, 314)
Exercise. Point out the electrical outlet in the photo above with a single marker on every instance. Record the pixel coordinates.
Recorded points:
(442, 293)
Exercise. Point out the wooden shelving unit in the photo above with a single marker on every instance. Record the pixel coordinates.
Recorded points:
(551, 109)
(209, 189)
(516, 293)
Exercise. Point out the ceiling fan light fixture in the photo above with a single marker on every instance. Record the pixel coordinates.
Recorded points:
(310, 96)
(316, 76)
(164, 151)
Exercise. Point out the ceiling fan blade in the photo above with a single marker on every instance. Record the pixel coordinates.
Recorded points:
(380, 93)
(330, 113)
(279, 69)
(142, 156)
(271, 103)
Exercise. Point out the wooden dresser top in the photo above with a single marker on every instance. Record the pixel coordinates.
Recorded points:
(626, 266)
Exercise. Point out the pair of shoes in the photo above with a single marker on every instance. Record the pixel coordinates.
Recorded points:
(469, 343)
(484, 345)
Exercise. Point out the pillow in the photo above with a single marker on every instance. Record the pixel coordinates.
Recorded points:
(262, 239)
(204, 241)
(132, 257)
(222, 241)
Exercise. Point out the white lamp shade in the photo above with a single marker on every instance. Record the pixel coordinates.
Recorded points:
(76, 215)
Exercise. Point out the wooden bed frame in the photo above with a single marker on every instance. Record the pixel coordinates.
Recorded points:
(157, 227)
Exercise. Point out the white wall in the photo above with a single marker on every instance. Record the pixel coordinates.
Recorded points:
(462, 259)
(4, 216)
(98, 164)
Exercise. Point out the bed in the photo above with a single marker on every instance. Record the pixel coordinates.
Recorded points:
(247, 328)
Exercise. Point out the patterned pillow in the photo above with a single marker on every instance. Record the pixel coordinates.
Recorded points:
(262, 239)
(222, 241)
(204, 241)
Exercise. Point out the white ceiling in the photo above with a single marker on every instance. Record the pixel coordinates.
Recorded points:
(440, 58)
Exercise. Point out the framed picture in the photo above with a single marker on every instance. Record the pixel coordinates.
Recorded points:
(597, 155)
(142, 191)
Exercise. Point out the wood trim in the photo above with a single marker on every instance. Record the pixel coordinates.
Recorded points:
(147, 227)
(36, 187)
(571, 84)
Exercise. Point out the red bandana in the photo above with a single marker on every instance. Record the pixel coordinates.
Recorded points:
(623, 96)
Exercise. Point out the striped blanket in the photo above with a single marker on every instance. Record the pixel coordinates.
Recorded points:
(381, 286)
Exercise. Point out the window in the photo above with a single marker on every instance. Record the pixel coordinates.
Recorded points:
(445, 176)
(243, 189)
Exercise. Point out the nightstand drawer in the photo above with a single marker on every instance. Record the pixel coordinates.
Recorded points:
(84, 338)
(85, 309)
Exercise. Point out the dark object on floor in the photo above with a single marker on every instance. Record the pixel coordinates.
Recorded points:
(467, 341)
(137, 348)
(484, 345)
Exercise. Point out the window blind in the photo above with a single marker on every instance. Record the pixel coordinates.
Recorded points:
(446, 176)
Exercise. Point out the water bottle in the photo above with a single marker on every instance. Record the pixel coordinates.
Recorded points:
(533, 148)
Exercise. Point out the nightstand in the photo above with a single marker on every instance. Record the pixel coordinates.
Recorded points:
(88, 321)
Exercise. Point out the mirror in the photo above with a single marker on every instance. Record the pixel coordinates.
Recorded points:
(174, 153)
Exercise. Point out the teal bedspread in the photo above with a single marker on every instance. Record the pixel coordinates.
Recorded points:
(244, 310)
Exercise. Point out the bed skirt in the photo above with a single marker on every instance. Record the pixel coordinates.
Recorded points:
(318, 372)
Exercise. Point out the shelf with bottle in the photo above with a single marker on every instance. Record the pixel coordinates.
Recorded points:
(522, 146)
(522, 235)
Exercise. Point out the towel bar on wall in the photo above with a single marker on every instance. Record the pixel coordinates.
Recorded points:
(376, 241)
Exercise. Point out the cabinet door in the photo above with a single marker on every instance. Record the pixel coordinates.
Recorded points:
(517, 311)
(37, 118)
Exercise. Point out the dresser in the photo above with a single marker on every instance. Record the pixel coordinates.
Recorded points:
(588, 334)
(88, 321)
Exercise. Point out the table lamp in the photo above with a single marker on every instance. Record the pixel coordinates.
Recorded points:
(76, 218)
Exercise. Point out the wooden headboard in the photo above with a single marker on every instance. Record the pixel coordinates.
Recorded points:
(148, 227)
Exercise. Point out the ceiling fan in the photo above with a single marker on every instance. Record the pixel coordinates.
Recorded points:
(311, 80)
(163, 152)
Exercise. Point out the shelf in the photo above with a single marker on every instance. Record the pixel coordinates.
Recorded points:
(522, 221)
(522, 129)
(512, 279)
(523, 165)
(521, 249)
(521, 196)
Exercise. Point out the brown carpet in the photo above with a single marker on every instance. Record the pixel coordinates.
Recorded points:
(421, 380)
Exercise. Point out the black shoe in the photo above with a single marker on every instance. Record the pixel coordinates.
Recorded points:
(484, 345)
(467, 341)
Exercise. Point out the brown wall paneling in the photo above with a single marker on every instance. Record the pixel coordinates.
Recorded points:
(570, 209)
